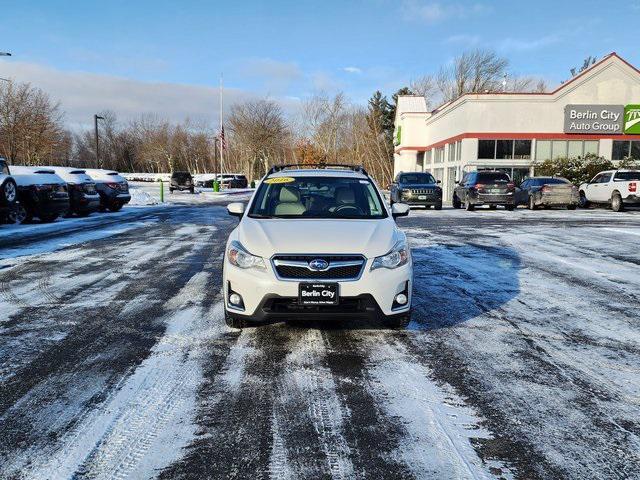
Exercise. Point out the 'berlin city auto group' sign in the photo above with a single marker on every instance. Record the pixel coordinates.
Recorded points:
(598, 119)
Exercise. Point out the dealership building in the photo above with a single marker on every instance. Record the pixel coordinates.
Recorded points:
(596, 112)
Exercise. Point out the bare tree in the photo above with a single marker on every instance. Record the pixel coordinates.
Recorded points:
(259, 135)
(31, 130)
(427, 86)
(475, 71)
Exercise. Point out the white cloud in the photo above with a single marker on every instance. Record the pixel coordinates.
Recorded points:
(352, 70)
(521, 45)
(463, 39)
(81, 94)
(433, 12)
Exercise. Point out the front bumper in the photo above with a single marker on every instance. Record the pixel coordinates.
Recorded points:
(264, 296)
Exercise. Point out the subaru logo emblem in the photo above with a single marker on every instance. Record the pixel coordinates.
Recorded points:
(318, 265)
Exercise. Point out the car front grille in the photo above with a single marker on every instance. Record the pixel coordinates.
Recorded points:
(422, 191)
(340, 267)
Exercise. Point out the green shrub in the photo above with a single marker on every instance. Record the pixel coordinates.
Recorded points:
(577, 170)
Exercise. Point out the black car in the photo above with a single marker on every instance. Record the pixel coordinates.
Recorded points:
(41, 194)
(112, 187)
(416, 189)
(484, 188)
(547, 192)
(181, 181)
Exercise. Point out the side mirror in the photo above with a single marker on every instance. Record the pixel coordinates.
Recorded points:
(438, 181)
(399, 210)
(236, 209)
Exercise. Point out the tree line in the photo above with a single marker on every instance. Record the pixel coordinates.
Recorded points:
(329, 128)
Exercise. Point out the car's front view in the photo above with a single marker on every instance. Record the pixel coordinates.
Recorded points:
(317, 244)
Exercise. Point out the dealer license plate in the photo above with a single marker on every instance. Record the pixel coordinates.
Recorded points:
(318, 294)
(422, 197)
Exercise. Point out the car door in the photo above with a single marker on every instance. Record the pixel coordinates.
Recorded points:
(522, 192)
(591, 188)
(458, 190)
(598, 190)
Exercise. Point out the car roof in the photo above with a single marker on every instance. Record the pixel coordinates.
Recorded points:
(319, 172)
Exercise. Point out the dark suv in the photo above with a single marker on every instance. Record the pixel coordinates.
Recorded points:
(484, 188)
(181, 181)
(416, 189)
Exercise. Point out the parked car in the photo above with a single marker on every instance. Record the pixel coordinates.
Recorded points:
(317, 243)
(181, 181)
(547, 192)
(484, 188)
(8, 191)
(618, 188)
(112, 188)
(83, 196)
(227, 180)
(416, 189)
(41, 194)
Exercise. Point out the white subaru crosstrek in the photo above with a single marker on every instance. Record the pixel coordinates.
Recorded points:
(317, 243)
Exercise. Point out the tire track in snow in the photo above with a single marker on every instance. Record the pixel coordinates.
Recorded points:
(100, 336)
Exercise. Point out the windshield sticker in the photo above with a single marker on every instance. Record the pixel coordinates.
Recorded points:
(279, 180)
(364, 182)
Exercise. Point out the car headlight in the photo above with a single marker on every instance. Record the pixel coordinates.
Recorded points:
(239, 257)
(398, 256)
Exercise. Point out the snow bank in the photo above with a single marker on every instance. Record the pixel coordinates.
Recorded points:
(142, 197)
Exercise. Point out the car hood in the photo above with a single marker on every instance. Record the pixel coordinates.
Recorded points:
(266, 237)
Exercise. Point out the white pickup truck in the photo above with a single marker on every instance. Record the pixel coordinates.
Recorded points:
(618, 188)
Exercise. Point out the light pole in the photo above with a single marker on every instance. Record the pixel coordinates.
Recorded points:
(97, 117)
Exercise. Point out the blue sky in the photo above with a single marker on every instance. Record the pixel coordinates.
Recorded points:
(289, 49)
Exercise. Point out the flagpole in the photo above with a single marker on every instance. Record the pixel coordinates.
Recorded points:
(222, 139)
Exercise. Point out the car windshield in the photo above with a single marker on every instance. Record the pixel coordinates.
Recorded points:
(317, 197)
(181, 176)
(417, 178)
(622, 176)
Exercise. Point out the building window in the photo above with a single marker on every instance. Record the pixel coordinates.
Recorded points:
(420, 162)
(522, 149)
(459, 151)
(438, 155)
(543, 150)
(486, 149)
(504, 149)
(427, 157)
(548, 149)
(626, 149)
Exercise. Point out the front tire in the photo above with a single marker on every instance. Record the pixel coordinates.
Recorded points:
(510, 208)
(456, 201)
(438, 206)
(616, 203)
(468, 206)
(19, 215)
(532, 203)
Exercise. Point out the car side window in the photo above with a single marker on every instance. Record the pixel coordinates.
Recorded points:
(5, 168)
(605, 177)
(596, 179)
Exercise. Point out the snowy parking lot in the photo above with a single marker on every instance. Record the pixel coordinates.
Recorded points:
(522, 359)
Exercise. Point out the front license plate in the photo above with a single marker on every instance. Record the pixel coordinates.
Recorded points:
(318, 294)
(422, 197)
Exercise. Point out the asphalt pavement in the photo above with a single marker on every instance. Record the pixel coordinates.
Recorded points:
(522, 359)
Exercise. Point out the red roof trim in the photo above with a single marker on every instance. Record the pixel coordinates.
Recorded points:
(518, 136)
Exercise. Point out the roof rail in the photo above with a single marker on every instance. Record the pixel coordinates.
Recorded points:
(279, 168)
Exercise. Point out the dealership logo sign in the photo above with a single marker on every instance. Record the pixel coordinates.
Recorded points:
(632, 119)
(594, 119)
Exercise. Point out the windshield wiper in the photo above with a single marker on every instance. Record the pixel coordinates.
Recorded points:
(257, 215)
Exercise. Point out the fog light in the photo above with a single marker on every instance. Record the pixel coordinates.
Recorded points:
(401, 299)
(235, 299)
